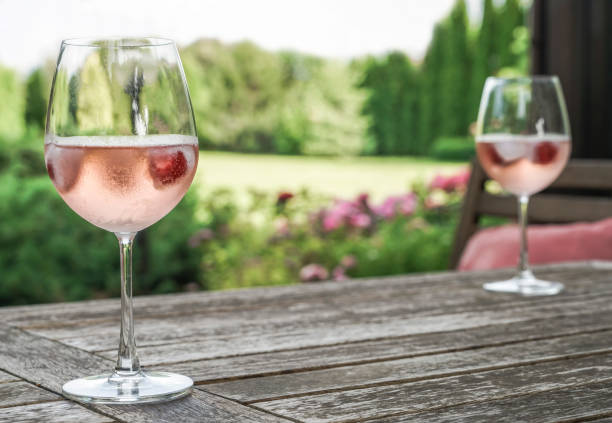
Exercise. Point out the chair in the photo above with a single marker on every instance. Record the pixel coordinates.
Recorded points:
(583, 192)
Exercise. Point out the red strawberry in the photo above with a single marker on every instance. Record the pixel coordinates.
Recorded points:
(51, 172)
(167, 167)
(494, 155)
(545, 152)
(63, 166)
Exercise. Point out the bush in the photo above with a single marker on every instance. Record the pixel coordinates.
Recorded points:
(48, 253)
(454, 149)
(250, 100)
(287, 238)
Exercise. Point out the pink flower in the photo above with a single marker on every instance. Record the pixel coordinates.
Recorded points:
(338, 274)
(360, 220)
(332, 221)
(313, 272)
(457, 182)
(393, 205)
(407, 204)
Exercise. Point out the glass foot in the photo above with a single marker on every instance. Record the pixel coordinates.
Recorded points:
(137, 389)
(525, 284)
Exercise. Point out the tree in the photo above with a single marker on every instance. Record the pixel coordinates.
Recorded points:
(431, 91)
(486, 59)
(12, 122)
(36, 101)
(456, 74)
(511, 16)
(393, 105)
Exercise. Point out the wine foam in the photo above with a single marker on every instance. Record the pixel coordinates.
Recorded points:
(122, 140)
(535, 138)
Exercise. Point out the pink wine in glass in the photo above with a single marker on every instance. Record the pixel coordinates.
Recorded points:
(523, 164)
(122, 184)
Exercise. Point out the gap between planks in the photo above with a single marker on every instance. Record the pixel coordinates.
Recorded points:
(268, 296)
(431, 398)
(197, 331)
(369, 361)
(49, 364)
(417, 379)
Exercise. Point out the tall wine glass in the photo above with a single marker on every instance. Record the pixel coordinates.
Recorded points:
(523, 141)
(121, 150)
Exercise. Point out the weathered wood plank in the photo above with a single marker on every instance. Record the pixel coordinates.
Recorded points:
(411, 369)
(83, 313)
(267, 364)
(46, 315)
(50, 364)
(575, 404)
(478, 388)
(197, 408)
(21, 393)
(45, 362)
(548, 208)
(352, 328)
(5, 377)
(160, 331)
(51, 412)
(374, 348)
(102, 336)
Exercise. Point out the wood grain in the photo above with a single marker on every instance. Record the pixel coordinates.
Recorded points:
(355, 327)
(102, 336)
(5, 377)
(412, 369)
(574, 404)
(316, 358)
(20, 393)
(239, 324)
(51, 412)
(196, 408)
(86, 312)
(482, 388)
(50, 364)
(433, 347)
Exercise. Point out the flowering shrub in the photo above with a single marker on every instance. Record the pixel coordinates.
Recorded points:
(291, 237)
(457, 182)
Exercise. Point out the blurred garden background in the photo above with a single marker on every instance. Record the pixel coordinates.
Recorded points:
(311, 167)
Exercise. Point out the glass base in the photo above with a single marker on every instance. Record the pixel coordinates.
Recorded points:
(144, 387)
(525, 284)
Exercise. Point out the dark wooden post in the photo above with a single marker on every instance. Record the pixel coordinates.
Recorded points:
(573, 39)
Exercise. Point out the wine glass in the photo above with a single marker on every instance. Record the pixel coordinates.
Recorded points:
(523, 141)
(121, 150)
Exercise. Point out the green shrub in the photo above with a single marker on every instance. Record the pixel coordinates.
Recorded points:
(251, 100)
(48, 253)
(454, 149)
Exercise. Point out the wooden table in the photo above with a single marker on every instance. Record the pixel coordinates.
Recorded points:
(421, 348)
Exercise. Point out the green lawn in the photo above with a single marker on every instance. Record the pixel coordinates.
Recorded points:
(336, 177)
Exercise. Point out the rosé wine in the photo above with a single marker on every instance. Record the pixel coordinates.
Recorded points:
(122, 184)
(523, 164)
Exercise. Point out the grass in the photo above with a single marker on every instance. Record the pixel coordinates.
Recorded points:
(334, 177)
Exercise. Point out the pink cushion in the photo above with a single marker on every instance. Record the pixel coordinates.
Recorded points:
(498, 247)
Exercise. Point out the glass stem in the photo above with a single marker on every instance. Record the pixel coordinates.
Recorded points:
(127, 362)
(523, 266)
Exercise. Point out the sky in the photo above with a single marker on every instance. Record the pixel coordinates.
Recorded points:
(32, 29)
